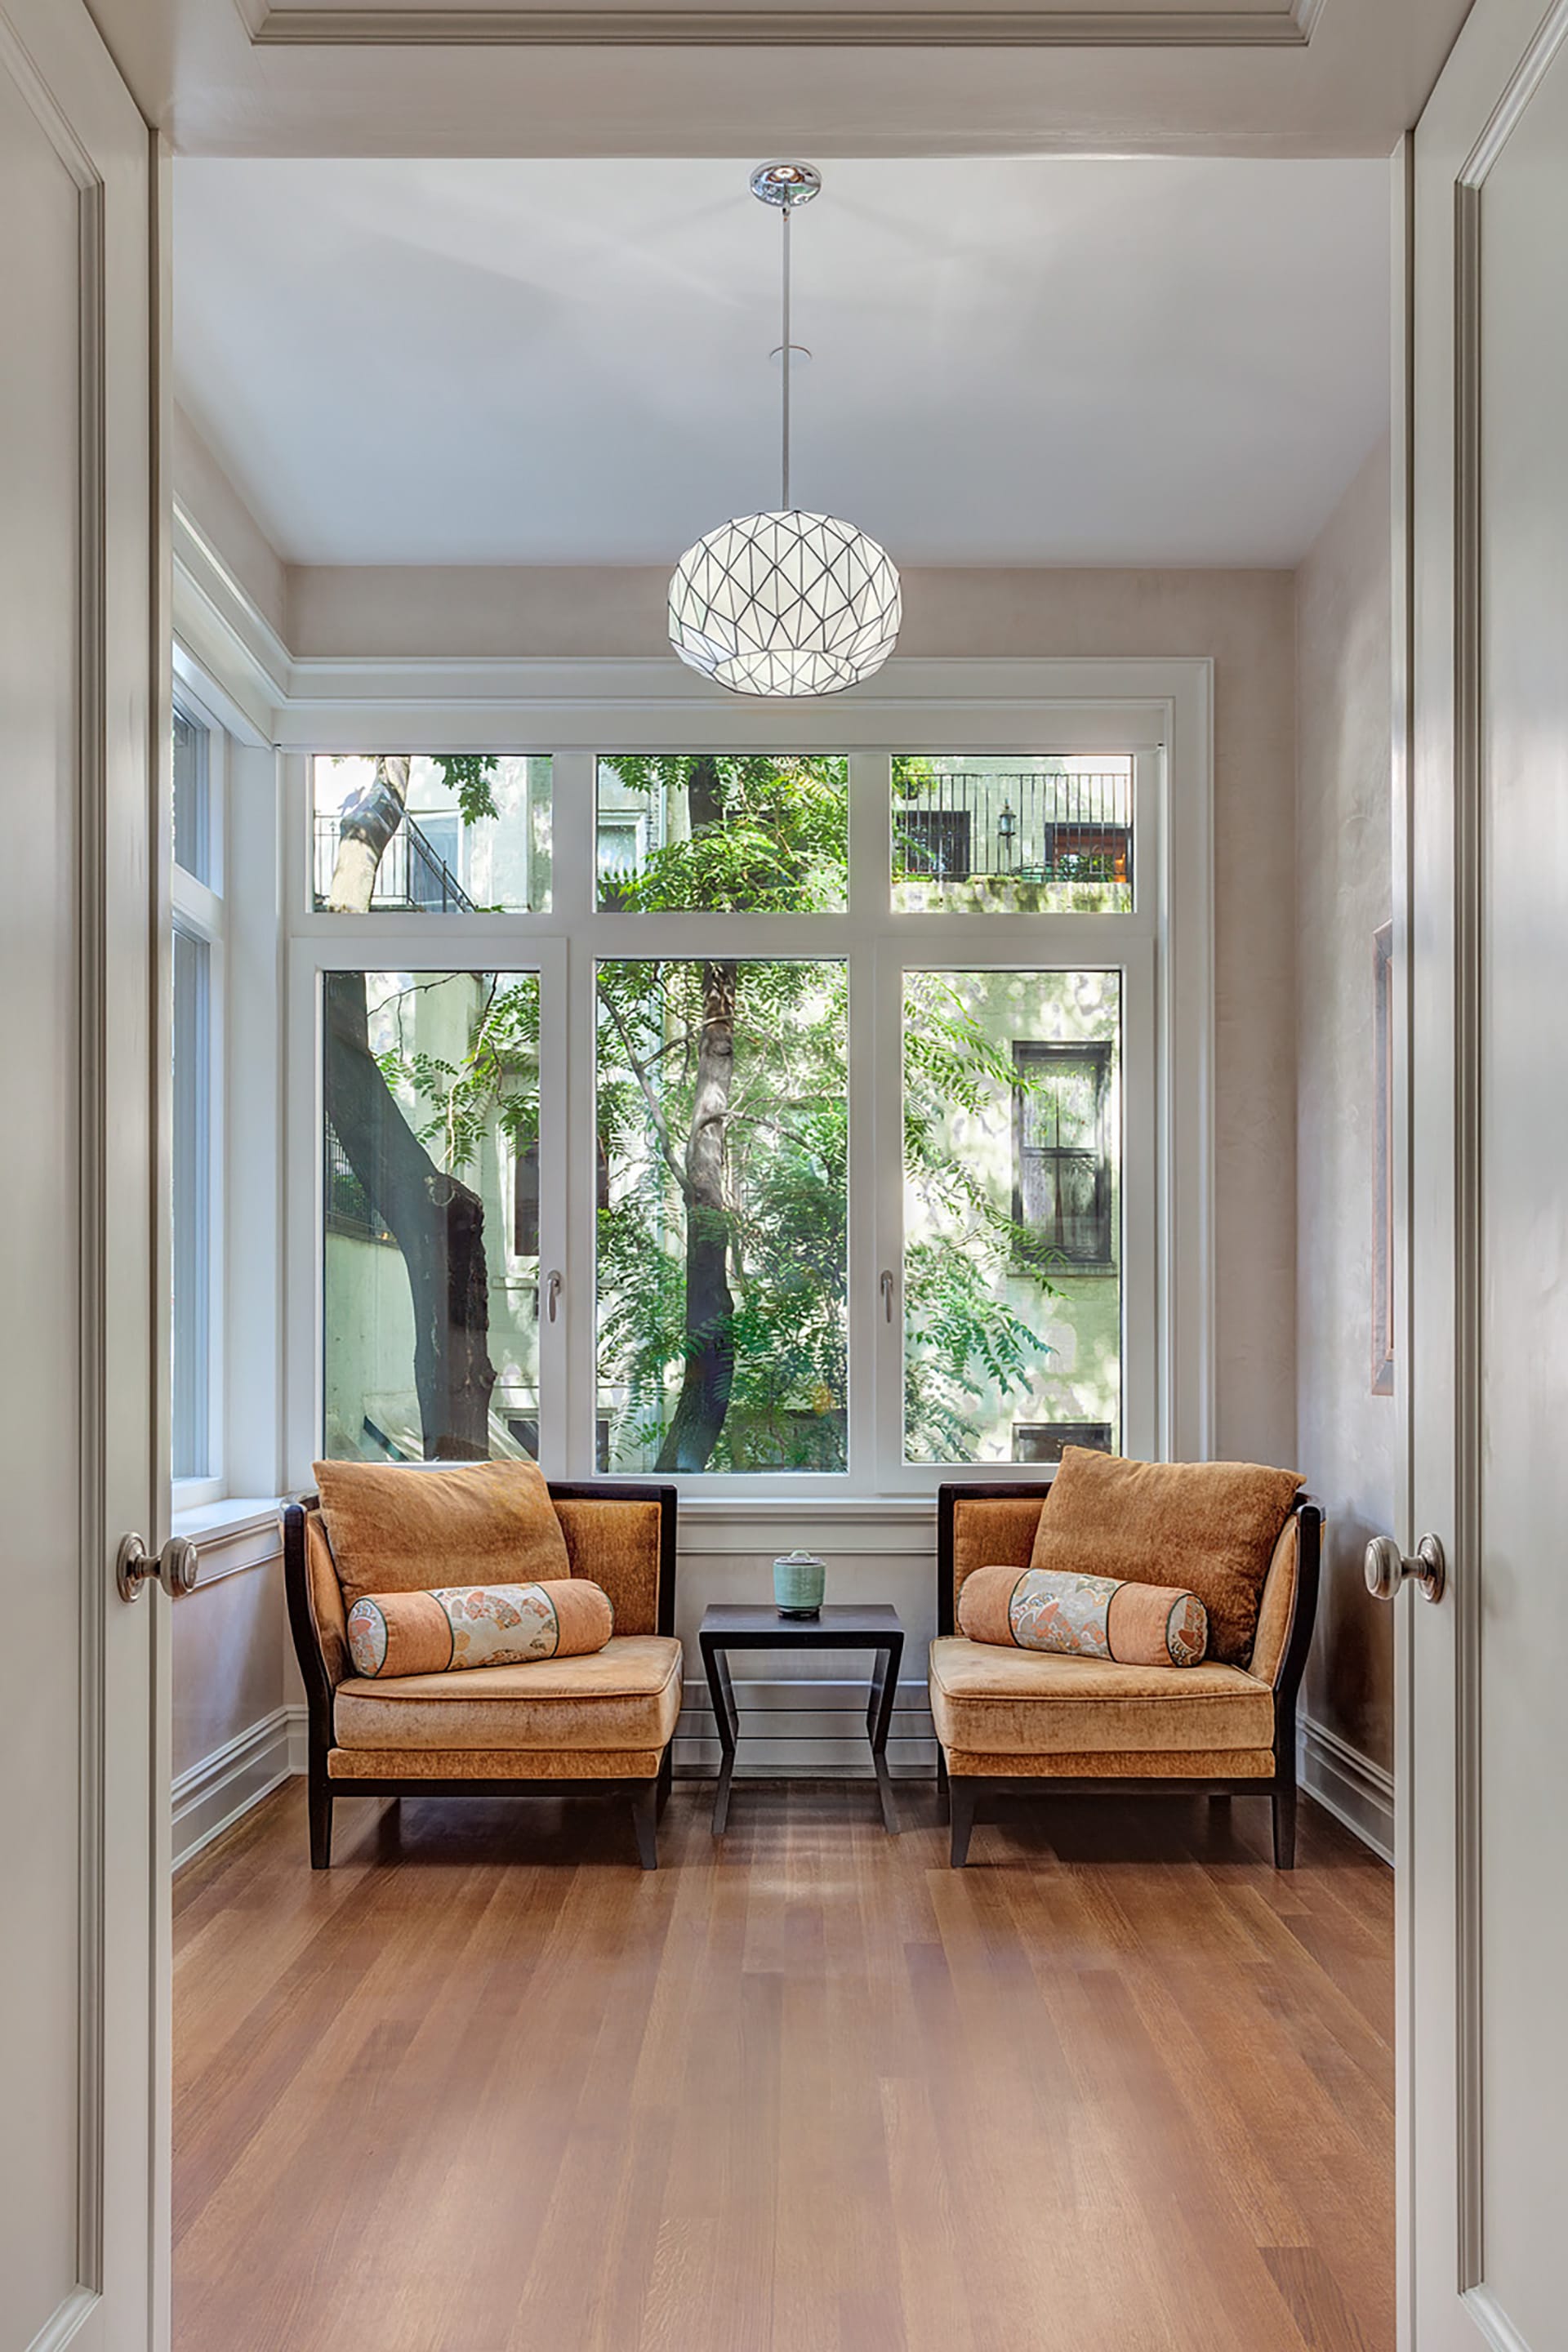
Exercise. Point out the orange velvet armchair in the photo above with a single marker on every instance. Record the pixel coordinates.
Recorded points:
(1023, 1722)
(597, 1724)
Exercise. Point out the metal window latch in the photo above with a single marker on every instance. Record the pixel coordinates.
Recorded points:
(553, 1288)
(888, 1295)
(176, 1568)
(1387, 1569)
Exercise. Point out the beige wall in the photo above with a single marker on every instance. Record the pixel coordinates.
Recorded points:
(229, 1641)
(1346, 1443)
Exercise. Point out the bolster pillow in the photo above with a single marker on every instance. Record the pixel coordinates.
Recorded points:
(1084, 1616)
(477, 1625)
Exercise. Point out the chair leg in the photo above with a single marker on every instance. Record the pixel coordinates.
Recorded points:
(1284, 1805)
(320, 1810)
(645, 1821)
(962, 1795)
(666, 1776)
(940, 1769)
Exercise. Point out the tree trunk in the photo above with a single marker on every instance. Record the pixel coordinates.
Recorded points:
(704, 1400)
(366, 823)
(436, 1222)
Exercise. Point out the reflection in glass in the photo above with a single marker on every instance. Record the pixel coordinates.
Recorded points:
(192, 1206)
(1012, 835)
(717, 831)
(430, 1242)
(193, 798)
(460, 833)
(1012, 1214)
(723, 1134)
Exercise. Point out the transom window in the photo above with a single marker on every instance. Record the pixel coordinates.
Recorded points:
(739, 1116)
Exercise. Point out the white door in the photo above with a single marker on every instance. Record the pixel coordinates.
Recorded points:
(1484, 2186)
(82, 1860)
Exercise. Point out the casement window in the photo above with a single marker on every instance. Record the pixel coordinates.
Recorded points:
(768, 1118)
(199, 784)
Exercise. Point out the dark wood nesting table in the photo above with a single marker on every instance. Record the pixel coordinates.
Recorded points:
(756, 1626)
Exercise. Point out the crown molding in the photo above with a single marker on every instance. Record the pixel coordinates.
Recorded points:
(1287, 27)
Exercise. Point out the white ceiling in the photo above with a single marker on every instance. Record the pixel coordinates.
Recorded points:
(1053, 361)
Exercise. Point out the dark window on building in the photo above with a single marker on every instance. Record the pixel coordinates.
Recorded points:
(1042, 1441)
(934, 841)
(1063, 1192)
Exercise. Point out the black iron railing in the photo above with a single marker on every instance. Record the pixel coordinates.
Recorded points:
(412, 876)
(1030, 828)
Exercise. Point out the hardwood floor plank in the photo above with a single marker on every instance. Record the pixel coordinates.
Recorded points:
(489, 2087)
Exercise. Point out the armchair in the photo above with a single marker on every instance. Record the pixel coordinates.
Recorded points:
(1022, 1722)
(562, 1727)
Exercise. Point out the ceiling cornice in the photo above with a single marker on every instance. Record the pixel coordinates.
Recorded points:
(1289, 28)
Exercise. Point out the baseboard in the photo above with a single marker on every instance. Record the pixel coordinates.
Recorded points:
(1349, 1785)
(210, 1796)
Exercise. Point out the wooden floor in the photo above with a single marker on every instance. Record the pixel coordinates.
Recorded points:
(488, 2087)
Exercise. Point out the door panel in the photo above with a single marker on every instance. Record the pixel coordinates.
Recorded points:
(1522, 1472)
(40, 588)
(1484, 2048)
(81, 1974)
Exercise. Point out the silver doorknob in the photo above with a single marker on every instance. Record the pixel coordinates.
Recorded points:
(1387, 1568)
(176, 1568)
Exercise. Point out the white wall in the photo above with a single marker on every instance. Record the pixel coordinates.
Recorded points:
(1346, 1437)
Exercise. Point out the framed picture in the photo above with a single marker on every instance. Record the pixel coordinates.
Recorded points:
(1382, 1163)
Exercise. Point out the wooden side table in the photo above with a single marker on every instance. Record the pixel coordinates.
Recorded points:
(755, 1626)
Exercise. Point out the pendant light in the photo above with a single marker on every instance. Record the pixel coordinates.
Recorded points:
(789, 603)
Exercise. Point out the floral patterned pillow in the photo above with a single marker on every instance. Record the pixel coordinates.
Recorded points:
(477, 1625)
(1084, 1616)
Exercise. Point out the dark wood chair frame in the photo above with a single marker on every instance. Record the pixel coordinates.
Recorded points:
(646, 1798)
(964, 1791)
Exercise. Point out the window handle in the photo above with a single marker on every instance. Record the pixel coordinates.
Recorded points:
(552, 1294)
(888, 1294)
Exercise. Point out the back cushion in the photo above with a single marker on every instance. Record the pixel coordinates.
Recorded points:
(408, 1530)
(1208, 1527)
(618, 1544)
(992, 1532)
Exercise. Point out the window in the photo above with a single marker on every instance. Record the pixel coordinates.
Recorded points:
(199, 774)
(722, 1250)
(192, 1192)
(430, 1301)
(739, 1153)
(723, 830)
(462, 835)
(999, 1214)
(980, 835)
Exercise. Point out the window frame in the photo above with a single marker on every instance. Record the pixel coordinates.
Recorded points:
(1157, 711)
(199, 909)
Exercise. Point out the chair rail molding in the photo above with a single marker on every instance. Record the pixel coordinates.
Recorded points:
(1287, 27)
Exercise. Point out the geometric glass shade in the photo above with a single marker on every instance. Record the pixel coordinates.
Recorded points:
(784, 605)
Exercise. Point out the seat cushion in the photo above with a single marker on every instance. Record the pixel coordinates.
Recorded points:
(626, 1695)
(990, 1701)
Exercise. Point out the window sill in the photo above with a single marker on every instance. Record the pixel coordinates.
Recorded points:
(240, 1533)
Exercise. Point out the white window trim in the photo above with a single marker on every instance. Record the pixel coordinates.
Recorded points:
(1160, 711)
(199, 909)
